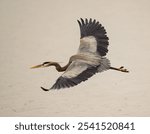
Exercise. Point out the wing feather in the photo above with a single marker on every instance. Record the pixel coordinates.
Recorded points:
(77, 72)
(95, 29)
(93, 46)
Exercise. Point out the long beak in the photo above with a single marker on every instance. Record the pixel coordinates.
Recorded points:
(37, 66)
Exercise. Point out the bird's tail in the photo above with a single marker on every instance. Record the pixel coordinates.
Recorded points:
(105, 65)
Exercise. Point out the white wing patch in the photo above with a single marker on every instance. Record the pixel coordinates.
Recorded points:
(88, 44)
(75, 68)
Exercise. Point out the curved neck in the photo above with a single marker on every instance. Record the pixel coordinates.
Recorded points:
(59, 68)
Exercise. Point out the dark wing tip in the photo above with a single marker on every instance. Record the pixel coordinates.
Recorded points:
(86, 21)
(45, 89)
(79, 23)
(90, 20)
(62, 82)
(91, 27)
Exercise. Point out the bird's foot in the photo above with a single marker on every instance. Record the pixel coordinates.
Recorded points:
(122, 69)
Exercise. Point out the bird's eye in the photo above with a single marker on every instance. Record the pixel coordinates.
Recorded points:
(45, 63)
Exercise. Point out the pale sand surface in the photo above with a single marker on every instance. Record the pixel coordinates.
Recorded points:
(35, 31)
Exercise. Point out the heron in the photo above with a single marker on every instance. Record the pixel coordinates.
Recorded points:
(89, 59)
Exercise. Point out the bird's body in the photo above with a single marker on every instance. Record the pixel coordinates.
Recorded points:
(90, 58)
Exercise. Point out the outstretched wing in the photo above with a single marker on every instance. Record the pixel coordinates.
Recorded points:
(93, 37)
(77, 72)
(93, 45)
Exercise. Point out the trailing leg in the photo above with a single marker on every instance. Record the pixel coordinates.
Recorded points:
(122, 69)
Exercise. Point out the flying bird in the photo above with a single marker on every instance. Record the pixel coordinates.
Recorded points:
(89, 60)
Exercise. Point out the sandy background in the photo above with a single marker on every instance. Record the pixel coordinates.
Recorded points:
(33, 31)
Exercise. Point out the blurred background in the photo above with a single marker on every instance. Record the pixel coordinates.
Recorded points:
(34, 31)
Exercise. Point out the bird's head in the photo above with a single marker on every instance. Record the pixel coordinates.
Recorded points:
(45, 64)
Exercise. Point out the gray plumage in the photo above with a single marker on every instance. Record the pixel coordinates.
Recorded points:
(89, 59)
